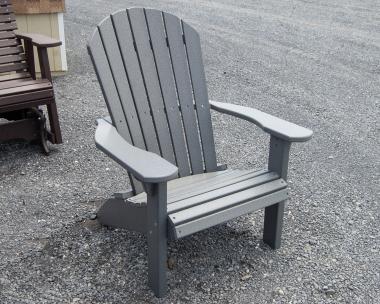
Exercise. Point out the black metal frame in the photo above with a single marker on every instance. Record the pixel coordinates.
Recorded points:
(27, 124)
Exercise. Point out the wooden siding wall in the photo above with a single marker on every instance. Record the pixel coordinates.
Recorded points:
(38, 6)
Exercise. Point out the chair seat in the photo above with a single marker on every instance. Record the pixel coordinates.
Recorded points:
(21, 90)
(200, 201)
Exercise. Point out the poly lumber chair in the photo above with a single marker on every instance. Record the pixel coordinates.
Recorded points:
(21, 93)
(151, 73)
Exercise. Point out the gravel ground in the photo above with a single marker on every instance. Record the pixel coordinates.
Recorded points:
(314, 62)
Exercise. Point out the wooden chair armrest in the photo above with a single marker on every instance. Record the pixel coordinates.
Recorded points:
(275, 126)
(39, 40)
(145, 166)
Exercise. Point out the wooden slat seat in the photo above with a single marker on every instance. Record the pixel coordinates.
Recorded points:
(8, 77)
(21, 84)
(204, 200)
(22, 90)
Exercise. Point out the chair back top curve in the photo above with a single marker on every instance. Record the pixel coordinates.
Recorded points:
(12, 56)
(149, 66)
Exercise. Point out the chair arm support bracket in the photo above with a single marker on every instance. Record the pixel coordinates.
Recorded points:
(42, 43)
(278, 159)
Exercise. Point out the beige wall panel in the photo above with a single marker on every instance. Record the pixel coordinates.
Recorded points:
(56, 52)
(41, 24)
(46, 24)
(21, 23)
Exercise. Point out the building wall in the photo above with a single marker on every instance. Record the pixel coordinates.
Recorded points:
(52, 25)
(38, 6)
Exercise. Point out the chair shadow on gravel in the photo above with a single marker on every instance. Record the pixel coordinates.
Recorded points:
(9, 148)
(94, 264)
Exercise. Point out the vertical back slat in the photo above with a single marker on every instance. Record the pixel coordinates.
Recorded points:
(166, 78)
(132, 65)
(107, 84)
(152, 85)
(150, 69)
(184, 90)
(111, 47)
(110, 93)
(194, 54)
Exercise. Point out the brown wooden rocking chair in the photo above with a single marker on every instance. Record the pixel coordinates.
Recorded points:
(21, 93)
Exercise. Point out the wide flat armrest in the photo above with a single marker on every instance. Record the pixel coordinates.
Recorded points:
(275, 126)
(39, 40)
(145, 166)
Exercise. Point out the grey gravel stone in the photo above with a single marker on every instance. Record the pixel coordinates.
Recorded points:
(330, 292)
(316, 63)
(280, 291)
(171, 263)
(92, 216)
(246, 277)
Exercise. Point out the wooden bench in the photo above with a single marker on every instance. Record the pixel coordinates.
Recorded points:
(150, 69)
(21, 93)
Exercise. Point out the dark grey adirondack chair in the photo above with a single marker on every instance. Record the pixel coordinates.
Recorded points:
(151, 73)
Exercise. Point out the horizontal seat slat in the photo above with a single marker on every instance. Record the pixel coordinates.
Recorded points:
(16, 83)
(185, 183)
(181, 184)
(219, 204)
(26, 90)
(199, 183)
(222, 192)
(25, 104)
(14, 76)
(41, 84)
(14, 99)
(189, 186)
(227, 214)
(12, 58)
(214, 184)
(13, 67)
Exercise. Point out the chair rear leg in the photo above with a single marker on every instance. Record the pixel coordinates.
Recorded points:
(54, 122)
(157, 238)
(273, 220)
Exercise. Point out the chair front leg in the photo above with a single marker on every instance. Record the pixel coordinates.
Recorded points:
(157, 236)
(273, 220)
